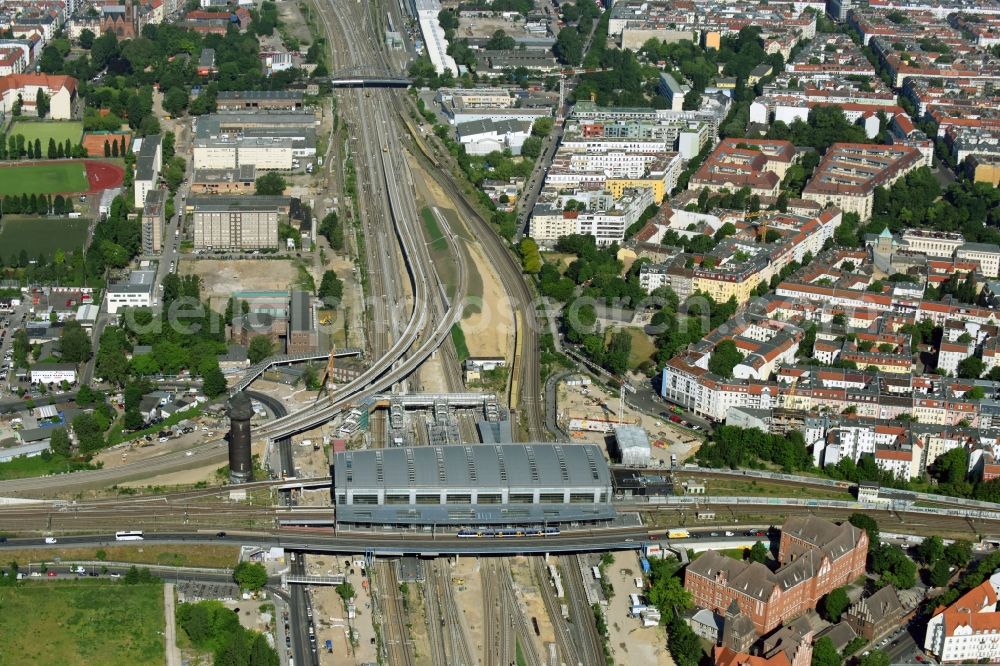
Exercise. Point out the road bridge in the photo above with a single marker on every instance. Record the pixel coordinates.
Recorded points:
(255, 371)
(368, 77)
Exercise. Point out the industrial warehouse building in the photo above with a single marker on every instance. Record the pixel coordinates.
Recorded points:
(473, 485)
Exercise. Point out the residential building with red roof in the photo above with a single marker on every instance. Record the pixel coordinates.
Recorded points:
(967, 630)
(24, 87)
(849, 173)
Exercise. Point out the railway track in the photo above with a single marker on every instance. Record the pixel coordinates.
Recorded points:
(520, 628)
(433, 602)
(395, 635)
(553, 608)
(496, 636)
(447, 626)
(582, 627)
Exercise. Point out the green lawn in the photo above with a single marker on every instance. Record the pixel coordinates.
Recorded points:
(458, 337)
(643, 346)
(85, 622)
(444, 262)
(39, 235)
(60, 130)
(49, 178)
(22, 468)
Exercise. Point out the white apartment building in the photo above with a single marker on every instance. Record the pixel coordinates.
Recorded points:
(137, 292)
(950, 354)
(932, 243)
(606, 219)
(968, 630)
(903, 462)
(986, 255)
(653, 276)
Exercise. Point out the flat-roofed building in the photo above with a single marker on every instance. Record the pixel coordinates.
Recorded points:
(248, 100)
(244, 224)
(302, 334)
(148, 163)
(473, 485)
(136, 292)
(241, 180)
(153, 220)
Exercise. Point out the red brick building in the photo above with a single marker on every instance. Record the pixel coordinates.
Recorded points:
(815, 556)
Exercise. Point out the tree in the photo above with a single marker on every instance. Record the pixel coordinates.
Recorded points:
(250, 576)
(542, 127)
(271, 184)
(333, 230)
(107, 148)
(930, 550)
(42, 106)
(971, 368)
(52, 152)
(724, 358)
(867, 523)
(950, 467)
(114, 149)
(758, 553)
(834, 604)
(939, 574)
(85, 396)
(60, 442)
(531, 259)
(958, 554)
(346, 591)
(213, 381)
(86, 39)
(531, 148)
(38, 145)
(260, 348)
(74, 343)
(500, 41)
(175, 101)
(875, 658)
(331, 288)
(824, 654)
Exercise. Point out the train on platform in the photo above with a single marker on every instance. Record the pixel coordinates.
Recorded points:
(504, 533)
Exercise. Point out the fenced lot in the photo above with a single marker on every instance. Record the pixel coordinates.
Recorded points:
(60, 130)
(41, 235)
(55, 177)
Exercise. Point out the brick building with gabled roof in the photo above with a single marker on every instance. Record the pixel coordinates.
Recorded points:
(815, 556)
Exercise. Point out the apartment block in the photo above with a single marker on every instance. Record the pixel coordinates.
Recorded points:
(243, 225)
(849, 173)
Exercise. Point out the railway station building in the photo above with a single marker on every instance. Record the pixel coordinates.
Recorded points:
(473, 485)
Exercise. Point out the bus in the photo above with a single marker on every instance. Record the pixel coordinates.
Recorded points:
(678, 534)
(135, 535)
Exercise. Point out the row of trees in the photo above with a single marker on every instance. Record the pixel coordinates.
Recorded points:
(36, 204)
(15, 147)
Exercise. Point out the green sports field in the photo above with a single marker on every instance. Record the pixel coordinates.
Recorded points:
(49, 178)
(60, 130)
(39, 235)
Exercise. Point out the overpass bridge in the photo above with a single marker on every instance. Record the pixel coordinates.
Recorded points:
(256, 371)
(368, 77)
